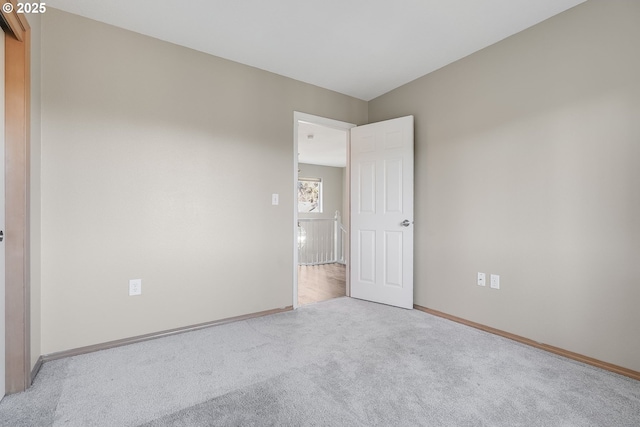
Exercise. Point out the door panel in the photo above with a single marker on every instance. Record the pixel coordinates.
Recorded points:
(367, 264)
(393, 185)
(393, 258)
(367, 192)
(382, 198)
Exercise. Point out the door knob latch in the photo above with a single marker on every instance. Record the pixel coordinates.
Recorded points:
(406, 223)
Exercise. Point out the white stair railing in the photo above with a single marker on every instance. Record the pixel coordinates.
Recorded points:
(321, 241)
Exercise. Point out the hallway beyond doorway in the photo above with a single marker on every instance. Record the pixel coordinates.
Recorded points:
(321, 282)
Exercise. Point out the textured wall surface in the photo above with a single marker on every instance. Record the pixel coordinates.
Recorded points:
(527, 167)
(158, 163)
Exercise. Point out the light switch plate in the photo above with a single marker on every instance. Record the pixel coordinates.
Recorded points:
(275, 199)
(495, 281)
(482, 279)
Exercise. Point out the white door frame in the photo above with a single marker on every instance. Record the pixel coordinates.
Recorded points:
(335, 124)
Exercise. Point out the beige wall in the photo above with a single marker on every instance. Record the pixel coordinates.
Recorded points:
(35, 231)
(158, 163)
(527, 166)
(332, 188)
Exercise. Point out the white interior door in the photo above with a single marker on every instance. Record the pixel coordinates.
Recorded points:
(2, 306)
(382, 212)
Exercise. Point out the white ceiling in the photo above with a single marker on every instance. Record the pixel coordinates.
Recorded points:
(362, 48)
(326, 146)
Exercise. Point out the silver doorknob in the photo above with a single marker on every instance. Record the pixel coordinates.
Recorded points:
(406, 223)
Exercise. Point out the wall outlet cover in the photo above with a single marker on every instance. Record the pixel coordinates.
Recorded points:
(495, 281)
(135, 287)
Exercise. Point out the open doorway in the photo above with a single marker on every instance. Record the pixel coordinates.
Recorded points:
(322, 209)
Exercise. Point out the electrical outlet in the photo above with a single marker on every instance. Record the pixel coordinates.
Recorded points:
(135, 287)
(481, 279)
(495, 281)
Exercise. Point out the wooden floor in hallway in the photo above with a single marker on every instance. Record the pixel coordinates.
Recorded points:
(321, 282)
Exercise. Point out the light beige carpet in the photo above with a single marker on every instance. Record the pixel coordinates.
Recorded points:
(340, 362)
